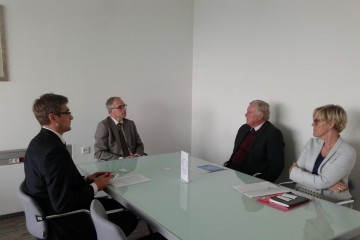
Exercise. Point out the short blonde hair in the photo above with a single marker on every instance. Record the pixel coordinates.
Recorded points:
(332, 113)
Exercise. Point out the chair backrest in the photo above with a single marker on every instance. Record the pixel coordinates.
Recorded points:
(308, 190)
(33, 213)
(105, 229)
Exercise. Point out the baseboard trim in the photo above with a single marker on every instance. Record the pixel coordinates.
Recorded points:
(11, 215)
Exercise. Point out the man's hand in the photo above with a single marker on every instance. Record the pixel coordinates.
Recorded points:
(91, 178)
(131, 156)
(103, 180)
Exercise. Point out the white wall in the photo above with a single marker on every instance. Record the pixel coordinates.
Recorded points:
(296, 55)
(89, 50)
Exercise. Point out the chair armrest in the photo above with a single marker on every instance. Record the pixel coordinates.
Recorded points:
(115, 211)
(42, 218)
(345, 202)
(287, 183)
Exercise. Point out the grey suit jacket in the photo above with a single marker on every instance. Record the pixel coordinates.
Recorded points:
(107, 140)
(335, 167)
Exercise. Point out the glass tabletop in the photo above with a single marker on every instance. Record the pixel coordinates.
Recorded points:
(209, 208)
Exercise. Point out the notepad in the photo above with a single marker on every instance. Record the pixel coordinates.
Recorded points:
(288, 199)
(260, 189)
(129, 180)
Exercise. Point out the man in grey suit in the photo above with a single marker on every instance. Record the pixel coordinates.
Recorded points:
(116, 136)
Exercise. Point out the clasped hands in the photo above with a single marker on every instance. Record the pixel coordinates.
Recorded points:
(101, 179)
(131, 155)
(337, 187)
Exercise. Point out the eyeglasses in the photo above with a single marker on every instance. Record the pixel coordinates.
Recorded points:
(317, 121)
(120, 107)
(64, 113)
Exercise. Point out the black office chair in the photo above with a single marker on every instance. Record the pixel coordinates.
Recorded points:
(36, 220)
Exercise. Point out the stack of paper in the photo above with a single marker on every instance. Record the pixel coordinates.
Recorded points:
(129, 180)
(259, 189)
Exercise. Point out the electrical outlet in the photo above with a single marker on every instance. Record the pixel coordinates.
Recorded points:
(14, 160)
(85, 150)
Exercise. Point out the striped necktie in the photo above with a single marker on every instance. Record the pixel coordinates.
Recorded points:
(124, 145)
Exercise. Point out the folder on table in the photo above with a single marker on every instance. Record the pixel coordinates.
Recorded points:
(288, 199)
(260, 189)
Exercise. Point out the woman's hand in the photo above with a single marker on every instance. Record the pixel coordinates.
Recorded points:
(339, 187)
(292, 166)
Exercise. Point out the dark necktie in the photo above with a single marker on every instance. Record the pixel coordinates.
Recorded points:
(240, 154)
(124, 145)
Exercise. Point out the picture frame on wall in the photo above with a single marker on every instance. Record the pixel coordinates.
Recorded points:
(3, 62)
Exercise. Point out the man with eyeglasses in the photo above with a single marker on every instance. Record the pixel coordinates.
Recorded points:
(116, 136)
(53, 180)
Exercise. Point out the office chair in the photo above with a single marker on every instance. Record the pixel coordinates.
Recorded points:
(106, 230)
(317, 193)
(36, 221)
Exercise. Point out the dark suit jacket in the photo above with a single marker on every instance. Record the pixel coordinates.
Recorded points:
(52, 179)
(107, 140)
(266, 153)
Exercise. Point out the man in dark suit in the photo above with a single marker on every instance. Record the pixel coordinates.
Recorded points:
(53, 180)
(116, 136)
(259, 145)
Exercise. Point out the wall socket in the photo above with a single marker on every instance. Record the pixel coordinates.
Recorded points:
(85, 150)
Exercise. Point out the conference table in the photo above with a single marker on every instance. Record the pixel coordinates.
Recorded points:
(208, 207)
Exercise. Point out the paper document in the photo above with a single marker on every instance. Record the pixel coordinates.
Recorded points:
(129, 180)
(210, 168)
(259, 189)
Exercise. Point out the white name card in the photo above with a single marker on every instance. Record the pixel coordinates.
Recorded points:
(185, 166)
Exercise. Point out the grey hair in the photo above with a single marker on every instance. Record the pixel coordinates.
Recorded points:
(110, 101)
(262, 107)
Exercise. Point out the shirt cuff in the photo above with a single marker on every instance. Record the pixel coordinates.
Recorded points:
(95, 188)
